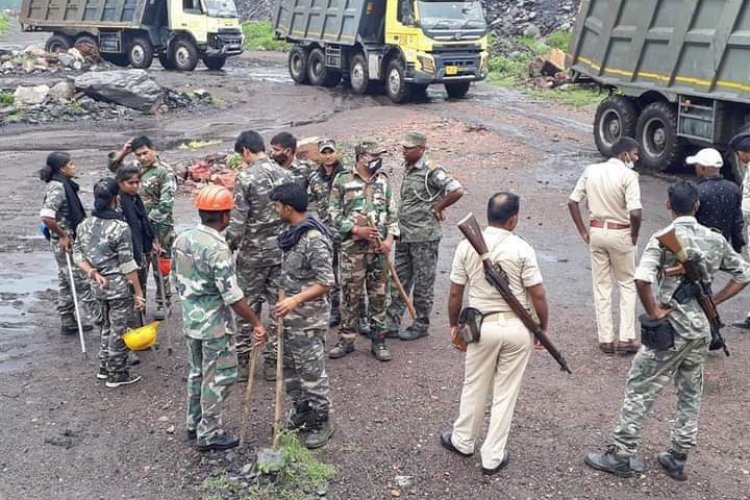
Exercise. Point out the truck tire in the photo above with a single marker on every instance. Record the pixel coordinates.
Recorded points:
(84, 40)
(317, 71)
(457, 90)
(166, 62)
(298, 58)
(214, 63)
(656, 132)
(184, 54)
(359, 75)
(396, 87)
(616, 117)
(58, 43)
(140, 52)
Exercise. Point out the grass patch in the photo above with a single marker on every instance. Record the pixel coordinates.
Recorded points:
(4, 23)
(302, 471)
(6, 98)
(259, 35)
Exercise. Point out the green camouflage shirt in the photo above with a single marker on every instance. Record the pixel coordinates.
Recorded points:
(55, 206)
(319, 192)
(423, 184)
(107, 245)
(206, 281)
(300, 173)
(714, 254)
(309, 263)
(255, 224)
(158, 188)
(355, 201)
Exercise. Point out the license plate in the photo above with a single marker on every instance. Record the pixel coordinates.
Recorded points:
(451, 70)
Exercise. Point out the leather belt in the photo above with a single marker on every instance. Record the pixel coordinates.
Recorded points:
(608, 225)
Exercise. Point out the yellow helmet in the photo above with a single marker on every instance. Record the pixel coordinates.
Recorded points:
(140, 339)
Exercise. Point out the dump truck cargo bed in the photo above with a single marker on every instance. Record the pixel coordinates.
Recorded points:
(93, 13)
(695, 47)
(342, 22)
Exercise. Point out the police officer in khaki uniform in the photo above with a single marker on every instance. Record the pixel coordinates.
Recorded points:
(614, 202)
(496, 363)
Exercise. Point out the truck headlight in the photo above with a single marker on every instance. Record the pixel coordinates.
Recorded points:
(427, 64)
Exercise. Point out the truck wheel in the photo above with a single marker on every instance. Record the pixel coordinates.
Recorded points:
(84, 41)
(58, 43)
(317, 71)
(395, 86)
(359, 75)
(298, 58)
(214, 63)
(656, 131)
(616, 117)
(166, 62)
(140, 52)
(184, 54)
(457, 90)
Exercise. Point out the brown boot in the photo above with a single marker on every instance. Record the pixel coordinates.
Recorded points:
(629, 347)
(607, 347)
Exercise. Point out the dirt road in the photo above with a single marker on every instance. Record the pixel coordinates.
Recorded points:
(63, 435)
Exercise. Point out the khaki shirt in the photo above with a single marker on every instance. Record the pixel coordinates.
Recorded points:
(612, 190)
(514, 255)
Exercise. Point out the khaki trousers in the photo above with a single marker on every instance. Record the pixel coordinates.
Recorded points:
(495, 365)
(746, 248)
(613, 253)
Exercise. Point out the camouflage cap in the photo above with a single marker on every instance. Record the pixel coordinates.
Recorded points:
(414, 139)
(369, 147)
(327, 144)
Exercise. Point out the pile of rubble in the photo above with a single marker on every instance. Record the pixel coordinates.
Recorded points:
(34, 59)
(532, 18)
(97, 96)
(215, 168)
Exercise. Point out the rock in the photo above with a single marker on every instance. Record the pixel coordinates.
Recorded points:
(247, 469)
(131, 88)
(8, 66)
(170, 429)
(164, 418)
(66, 60)
(35, 50)
(27, 66)
(395, 493)
(62, 91)
(29, 96)
(270, 461)
(532, 31)
(76, 54)
(405, 482)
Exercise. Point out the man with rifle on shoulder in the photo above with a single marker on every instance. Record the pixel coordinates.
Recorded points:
(676, 332)
(501, 344)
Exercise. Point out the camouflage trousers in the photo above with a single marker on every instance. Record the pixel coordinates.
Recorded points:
(164, 234)
(259, 280)
(87, 301)
(116, 315)
(650, 372)
(305, 374)
(416, 265)
(212, 371)
(362, 273)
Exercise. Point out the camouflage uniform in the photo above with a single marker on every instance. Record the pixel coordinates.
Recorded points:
(253, 230)
(55, 206)
(306, 264)
(106, 244)
(651, 369)
(158, 189)
(207, 284)
(353, 202)
(319, 192)
(300, 172)
(416, 252)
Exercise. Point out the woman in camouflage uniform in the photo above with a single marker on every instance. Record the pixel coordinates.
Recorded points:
(61, 213)
(104, 250)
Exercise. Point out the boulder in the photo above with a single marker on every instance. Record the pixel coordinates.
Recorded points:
(131, 88)
(66, 60)
(62, 91)
(36, 51)
(30, 96)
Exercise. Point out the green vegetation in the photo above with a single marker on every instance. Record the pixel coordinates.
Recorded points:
(259, 35)
(4, 23)
(511, 69)
(6, 98)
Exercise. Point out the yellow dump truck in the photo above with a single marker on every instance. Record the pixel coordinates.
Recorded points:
(132, 32)
(404, 44)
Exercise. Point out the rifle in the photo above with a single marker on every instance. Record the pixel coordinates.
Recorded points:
(692, 273)
(470, 229)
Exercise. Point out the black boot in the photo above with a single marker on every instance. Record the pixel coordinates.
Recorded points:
(299, 416)
(320, 431)
(611, 461)
(674, 463)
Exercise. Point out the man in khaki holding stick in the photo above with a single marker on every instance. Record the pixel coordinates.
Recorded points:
(614, 202)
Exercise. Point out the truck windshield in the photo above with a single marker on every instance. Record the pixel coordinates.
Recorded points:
(451, 15)
(221, 8)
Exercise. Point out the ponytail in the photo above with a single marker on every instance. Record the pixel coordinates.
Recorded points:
(55, 162)
(104, 192)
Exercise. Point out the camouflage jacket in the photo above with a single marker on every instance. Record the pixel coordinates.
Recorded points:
(107, 245)
(206, 281)
(158, 188)
(714, 254)
(55, 206)
(354, 201)
(300, 173)
(320, 192)
(255, 224)
(422, 185)
(309, 263)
